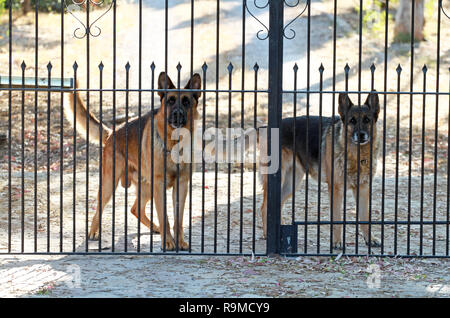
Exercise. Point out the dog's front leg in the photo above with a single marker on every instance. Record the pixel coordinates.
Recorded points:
(178, 211)
(158, 192)
(336, 201)
(364, 214)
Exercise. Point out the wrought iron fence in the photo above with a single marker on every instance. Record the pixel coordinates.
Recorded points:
(396, 163)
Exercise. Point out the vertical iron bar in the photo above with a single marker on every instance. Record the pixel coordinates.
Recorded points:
(166, 51)
(358, 172)
(436, 127)
(333, 112)
(228, 136)
(9, 122)
(319, 174)
(22, 216)
(422, 172)
(88, 66)
(152, 154)
(397, 145)
(139, 128)
(411, 88)
(274, 119)
(36, 62)
(383, 177)
(140, 137)
(347, 70)
(191, 128)
(74, 177)
(372, 88)
(100, 168)
(204, 67)
(61, 139)
(241, 201)
(216, 121)
(113, 218)
(176, 208)
(447, 245)
(294, 140)
(308, 82)
(49, 69)
(127, 95)
(255, 126)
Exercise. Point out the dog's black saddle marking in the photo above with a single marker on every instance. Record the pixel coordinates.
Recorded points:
(306, 128)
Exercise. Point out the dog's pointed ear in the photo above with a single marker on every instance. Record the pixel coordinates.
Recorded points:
(374, 103)
(195, 83)
(344, 105)
(162, 83)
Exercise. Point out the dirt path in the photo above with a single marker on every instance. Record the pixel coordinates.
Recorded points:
(175, 276)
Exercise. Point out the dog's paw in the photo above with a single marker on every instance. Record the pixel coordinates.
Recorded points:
(170, 244)
(183, 245)
(155, 229)
(338, 246)
(374, 242)
(93, 236)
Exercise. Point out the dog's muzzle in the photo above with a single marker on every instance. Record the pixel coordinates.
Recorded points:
(360, 138)
(177, 118)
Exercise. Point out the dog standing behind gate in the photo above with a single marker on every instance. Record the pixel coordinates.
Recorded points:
(355, 129)
(177, 115)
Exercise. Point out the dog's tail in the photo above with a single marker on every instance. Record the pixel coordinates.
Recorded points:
(82, 115)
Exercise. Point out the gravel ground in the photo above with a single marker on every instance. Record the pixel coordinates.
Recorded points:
(178, 276)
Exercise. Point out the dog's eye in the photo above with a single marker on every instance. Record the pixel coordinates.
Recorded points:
(186, 101)
(171, 100)
(366, 120)
(353, 121)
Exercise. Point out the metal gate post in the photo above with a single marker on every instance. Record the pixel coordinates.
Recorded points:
(274, 119)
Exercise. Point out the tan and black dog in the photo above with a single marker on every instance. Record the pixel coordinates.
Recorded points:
(175, 112)
(361, 132)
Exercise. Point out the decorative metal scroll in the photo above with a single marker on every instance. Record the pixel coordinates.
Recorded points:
(292, 21)
(264, 33)
(258, 34)
(84, 29)
(442, 9)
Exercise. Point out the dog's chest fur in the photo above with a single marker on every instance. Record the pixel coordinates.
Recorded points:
(158, 156)
(365, 155)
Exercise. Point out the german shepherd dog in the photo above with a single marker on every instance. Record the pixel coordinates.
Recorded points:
(179, 107)
(356, 127)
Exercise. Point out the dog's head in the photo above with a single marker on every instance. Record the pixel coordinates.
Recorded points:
(360, 119)
(178, 106)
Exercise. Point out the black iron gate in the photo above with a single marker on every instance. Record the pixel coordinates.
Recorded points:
(53, 174)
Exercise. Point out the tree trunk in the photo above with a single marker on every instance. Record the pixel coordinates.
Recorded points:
(26, 6)
(402, 31)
